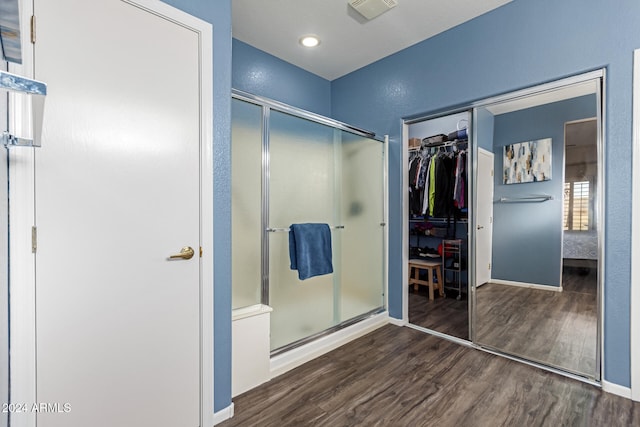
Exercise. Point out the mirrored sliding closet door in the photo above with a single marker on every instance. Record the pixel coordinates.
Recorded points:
(539, 226)
(504, 224)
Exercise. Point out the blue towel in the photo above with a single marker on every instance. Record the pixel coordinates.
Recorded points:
(310, 249)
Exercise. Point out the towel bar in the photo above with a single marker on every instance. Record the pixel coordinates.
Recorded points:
(531, 199)
(285, 229)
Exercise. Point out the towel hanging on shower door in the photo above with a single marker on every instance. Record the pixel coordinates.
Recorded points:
(310, 249)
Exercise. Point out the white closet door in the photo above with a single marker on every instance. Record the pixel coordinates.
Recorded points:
(484, 227)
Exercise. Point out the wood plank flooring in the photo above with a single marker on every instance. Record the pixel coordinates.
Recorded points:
(397, 376)
(555, 328)
(447, 315)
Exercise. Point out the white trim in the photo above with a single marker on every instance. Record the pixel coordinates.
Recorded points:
(206, 223)
(398, 322)
(249, 311)
(527, 285)
(385, 219)
(635, 235)
(616, 389)
(541, 88)
(22, 281)
(222, 415)
(292, 359)
(22, 262)
(405, 222)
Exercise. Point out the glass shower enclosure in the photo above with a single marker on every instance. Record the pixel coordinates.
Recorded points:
(290, 167)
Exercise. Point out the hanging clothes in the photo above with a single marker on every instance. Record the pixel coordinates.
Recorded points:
(460, 181)
(415, 193)
(437, 183)
(433, 166)
(443, 196)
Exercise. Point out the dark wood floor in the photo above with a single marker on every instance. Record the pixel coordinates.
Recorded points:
(397, 376)
(447, 315)
(555, 328)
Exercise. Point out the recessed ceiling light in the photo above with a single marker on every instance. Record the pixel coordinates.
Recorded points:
(309, 41)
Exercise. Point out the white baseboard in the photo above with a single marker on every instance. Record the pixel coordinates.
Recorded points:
(298, 356)
(398, 322)
(527, 285)
(223, 414)
(616, 389)
(635, 235)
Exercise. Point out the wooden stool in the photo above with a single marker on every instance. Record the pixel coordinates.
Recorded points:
(431, 267)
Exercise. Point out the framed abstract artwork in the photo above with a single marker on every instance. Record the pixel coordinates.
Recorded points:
(528, 161)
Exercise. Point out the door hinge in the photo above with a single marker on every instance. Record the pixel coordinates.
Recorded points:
(33, 29)
(34, 239)
(489, 266)
(491, 172)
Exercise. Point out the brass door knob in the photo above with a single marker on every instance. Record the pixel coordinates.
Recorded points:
(185, 253)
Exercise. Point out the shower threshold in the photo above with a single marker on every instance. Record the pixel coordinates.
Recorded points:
(299, 343)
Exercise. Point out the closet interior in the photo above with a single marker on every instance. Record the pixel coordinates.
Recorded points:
(438, 224)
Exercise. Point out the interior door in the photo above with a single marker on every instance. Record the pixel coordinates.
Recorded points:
(117, 193)
(484, 225)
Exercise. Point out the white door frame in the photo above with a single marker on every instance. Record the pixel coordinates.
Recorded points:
(405, 223)
(635, 235)
(22, 189)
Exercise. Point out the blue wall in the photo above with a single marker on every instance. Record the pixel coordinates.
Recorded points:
(260, 73)
(518, 45)
(527, 237)
(218, 13)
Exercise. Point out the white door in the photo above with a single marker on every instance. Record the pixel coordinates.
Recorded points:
(117, 193)
(484, 224)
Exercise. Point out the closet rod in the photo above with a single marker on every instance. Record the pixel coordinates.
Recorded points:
(440, 144)
(285, 229)
(530, 199)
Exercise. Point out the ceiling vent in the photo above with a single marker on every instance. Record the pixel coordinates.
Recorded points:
(372, 8)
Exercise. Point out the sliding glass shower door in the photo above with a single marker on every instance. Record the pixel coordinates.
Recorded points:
(319, 174)
(361, 212)
(301, 189)
(292, 167)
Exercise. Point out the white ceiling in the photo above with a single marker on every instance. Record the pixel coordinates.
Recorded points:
(348, 41)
